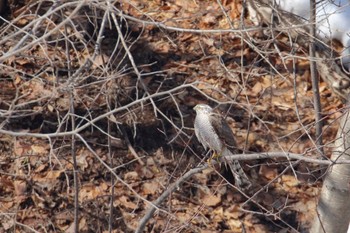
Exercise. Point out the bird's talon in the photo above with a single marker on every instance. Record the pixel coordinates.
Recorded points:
(214, 156)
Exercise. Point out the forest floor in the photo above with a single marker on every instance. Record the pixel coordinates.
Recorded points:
(140, 126)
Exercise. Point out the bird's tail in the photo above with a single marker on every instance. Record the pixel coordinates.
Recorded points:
(241, 179)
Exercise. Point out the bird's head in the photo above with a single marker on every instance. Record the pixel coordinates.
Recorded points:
(203, 108)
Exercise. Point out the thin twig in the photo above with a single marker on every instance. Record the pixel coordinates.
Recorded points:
(315, 80)
(148, 215)
(75, 167)
(111, 200)
(131, 149)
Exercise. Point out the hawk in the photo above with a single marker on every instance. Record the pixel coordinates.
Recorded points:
(213, 132)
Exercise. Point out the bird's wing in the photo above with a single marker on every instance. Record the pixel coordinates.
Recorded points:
(223, 130)
(198, 135)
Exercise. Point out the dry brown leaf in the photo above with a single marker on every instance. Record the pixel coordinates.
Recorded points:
(36, 88)
(234, 224)
(47, 180)
(18, 80)
(148, 173)
(235, 9)
(82, 160)
(62, 103)
(22, 61)
(131, 176)
(20, 190)
(125, 202)
(6, 184)
(18, 148)
(100, 61)
(53, 174)
(257, 88)
(40, 168)
(39, 149)
(232, 213)
(20, 187)
(161, 159)
(161, 47)
(50, 107)
(201, 178)
(211, 200)
(190, 6)
(306, 210)
(268, 172)
(209, 19)
(290, 181)
(151, 188)
(91, 191)
(9, 223)
(183, 217)
(208, 41)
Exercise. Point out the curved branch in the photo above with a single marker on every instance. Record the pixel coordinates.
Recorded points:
(148, 215)
(165, 194)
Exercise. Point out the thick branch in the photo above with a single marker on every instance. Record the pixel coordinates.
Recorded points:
(333, 210)
(165, 194)
(290, 156)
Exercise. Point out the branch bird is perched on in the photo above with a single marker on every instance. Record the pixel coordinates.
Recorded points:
(214, 133)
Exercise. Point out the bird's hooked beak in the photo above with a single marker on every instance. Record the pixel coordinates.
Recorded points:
(197, 107)
(202, 108)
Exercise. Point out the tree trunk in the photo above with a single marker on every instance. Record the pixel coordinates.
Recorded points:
(333, 210)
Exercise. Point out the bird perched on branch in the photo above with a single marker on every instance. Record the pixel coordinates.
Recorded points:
(213, 132)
